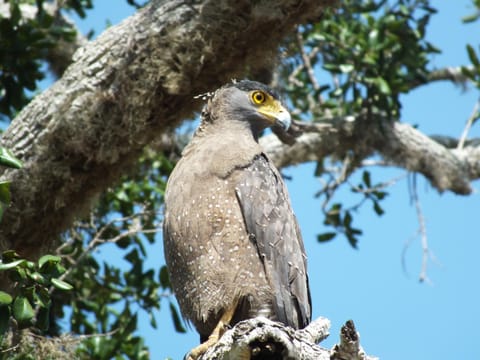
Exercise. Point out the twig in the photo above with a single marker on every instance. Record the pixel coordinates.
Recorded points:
(422, 230)
(292, 78)
(11, 348)
(97, 240)
(474, 116)
(379, 186)
(335, 181)
(307, 64)
(408, 242)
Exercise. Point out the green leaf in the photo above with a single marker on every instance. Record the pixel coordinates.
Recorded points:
(62, 285)
(37, 277)
(347, 220)
(352, 240)
(326, 236)
(131, 325)
(4, 196)
(164, 279)
(319, 169)
(5, 192)
(470, 18)
(380, 195)
(153, 321)
(22, 309)
(468, 72)
(377, 208)
(346, 68)
(177, 322)
(4, 320)
(18, 274)
(8, 159)
(473, 56)
(43, 296)
(12, 264)
(133, 257)
(331, 67)
(333, 215)
(2, 209)
(52, 259)
(382, 85)
(43, 318)
(366, 179)
(9, 256)
(5, 298)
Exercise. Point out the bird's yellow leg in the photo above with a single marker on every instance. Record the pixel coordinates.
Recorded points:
(216, 334)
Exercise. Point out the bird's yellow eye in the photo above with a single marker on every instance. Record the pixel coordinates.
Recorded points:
(258, 97)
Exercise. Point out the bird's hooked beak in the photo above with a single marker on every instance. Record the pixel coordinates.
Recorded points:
(276, 113)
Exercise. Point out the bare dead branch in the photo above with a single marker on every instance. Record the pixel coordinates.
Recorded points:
(349, 346)
(422, 230)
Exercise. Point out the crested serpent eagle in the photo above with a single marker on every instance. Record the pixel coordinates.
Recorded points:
(232, 243)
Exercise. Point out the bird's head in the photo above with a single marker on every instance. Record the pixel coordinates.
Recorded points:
(249, 102)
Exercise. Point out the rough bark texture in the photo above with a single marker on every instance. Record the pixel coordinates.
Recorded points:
(260, 338)
(121, 92)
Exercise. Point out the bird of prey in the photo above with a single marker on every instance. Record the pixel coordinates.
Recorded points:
(232, 243)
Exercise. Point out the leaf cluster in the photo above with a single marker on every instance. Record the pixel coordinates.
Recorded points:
(373, 51)
(29, 302)
(25, 42)
(340, 218)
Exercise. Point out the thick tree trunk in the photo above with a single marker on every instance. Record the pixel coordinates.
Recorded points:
(121, 92)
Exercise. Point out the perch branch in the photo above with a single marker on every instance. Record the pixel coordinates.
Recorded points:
(249, 338)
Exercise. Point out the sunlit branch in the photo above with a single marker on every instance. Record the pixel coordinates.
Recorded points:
(399, 144)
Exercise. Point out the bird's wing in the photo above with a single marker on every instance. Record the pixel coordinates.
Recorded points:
(273, 228)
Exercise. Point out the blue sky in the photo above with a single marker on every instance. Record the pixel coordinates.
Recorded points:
(397, 316)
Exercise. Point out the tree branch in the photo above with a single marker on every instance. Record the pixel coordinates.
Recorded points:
(124, 90)
(453, 74)
(259, 338)
(400, 145)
